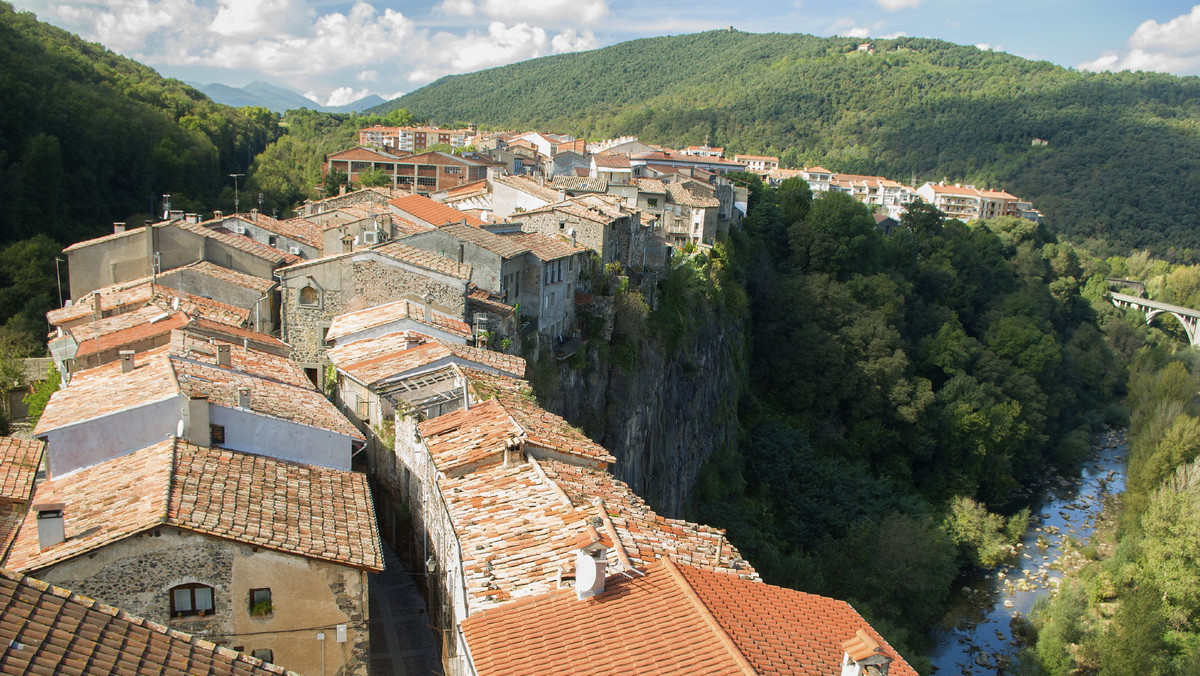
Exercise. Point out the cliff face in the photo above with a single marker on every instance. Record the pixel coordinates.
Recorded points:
(663, 416)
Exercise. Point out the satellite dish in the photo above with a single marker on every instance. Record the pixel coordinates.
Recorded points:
(585, 571)
(179, 429)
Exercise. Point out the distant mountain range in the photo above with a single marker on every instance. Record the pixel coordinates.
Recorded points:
(276, 98)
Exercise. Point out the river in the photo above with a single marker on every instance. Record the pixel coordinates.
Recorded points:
(976, 637)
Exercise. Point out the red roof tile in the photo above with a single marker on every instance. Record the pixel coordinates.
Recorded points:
(305, 510)
(431, 212)
(50, 630)
(19, 461)
(351, 323)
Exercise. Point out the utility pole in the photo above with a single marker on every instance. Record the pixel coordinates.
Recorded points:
(58, 278)
(236, 208)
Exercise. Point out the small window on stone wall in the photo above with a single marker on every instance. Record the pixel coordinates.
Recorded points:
(264, 654)
(310, 296)
(191, 599)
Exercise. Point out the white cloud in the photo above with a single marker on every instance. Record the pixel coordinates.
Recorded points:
(395, 95)
(262, 18)
(367, 76)
(343, 95)
(894, 5)
(1171, 47)
(571, 41)
(541, 12)
(448, 53)
(856, 32)
(125, 26)
(456, 7)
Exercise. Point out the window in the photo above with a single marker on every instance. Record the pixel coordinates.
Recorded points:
(651, 201)
(216, 434)
(260, 602)
(263, 654)
(362, 407)
(310, 296)
(191, 599)
(325, 336)
(272, 240)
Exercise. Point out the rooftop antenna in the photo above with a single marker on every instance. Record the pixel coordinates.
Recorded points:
(235, 191)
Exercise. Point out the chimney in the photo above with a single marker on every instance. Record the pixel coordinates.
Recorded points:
(192, 218)
(51, 530)
(218, 214)
(254, 215)
(126, 360)
(591, 562)
(223, 355)
(243, 400)
(195, 423)
(97, 312)
(118, 228)
(862, 656)
(347, 243)
(342, 189)
(462, 249)
(428, 308)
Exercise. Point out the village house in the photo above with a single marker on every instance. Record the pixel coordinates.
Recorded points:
(617, 171)
(252, 552)
(758, 164)
(689, 620)
(414, 139)
(314, 292)
(515, 194)
(362, 198)
(602, 223)
(425, 173)
(690, 214)
(297, 237)
(475, 196)
(659, 158)
(109, 640)
(211, 393)
(395, 317)
(371, 370)
(20, 460)
(153, 249)
(956, 201)
(428, 213)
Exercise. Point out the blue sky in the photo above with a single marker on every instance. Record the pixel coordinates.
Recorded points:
(337, 51)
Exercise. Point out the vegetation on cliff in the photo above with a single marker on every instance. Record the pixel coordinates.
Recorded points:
(1118, 165)
(903, 390)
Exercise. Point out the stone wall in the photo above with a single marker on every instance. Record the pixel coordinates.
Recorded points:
(666, 415)
(136, 574)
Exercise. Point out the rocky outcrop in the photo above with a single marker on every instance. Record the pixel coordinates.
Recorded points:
(665, 414)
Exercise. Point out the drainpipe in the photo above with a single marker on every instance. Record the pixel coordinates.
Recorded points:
(282, 306)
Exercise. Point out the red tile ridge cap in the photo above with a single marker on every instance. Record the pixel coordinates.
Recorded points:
(611, 529)
(697, 604)
(590, 536)
(861, 646)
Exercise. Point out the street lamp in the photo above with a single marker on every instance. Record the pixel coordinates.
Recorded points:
(235, 191)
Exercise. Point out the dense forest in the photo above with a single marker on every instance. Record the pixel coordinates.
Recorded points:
(905, 393)
(1134, 608)
(1119, 165)
(87, 138)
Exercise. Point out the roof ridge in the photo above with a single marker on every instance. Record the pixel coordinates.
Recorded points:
(698, 605)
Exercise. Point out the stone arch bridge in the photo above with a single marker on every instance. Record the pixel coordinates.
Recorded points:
(1189, 318)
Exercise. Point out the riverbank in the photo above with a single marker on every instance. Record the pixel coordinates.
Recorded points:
(979, 632)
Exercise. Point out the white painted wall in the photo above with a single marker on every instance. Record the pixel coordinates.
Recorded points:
(94, 441)
(255, 433)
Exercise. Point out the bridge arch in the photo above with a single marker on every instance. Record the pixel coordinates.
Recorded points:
(1189, 318)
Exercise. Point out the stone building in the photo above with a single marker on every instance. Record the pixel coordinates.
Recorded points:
(252, 553)
(314, 292)
(602, 223)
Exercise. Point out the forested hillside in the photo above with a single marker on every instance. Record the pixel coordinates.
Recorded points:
(87, 138)
(1119, 165)
(905, 394)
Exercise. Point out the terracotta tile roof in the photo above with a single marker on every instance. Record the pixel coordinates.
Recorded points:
(644, 534)
(112, 299)
(652, 186)
(545, 247)
(528, 186)
(817, 170)
(502, 246)
(434, 213)
(488, 301)
(210, 269)
(580, 183)
(687, 194)
(50, 630)
(238, 242)
(611, 160)
(394, 355)
(300, 509)
(998, 194)
(351, 323)
(19, 462)
(297, 229)
(751, 158)
(660, 156)
(472, 189)
(187, 366)
(965, 191)
(235, 334)
(127, 329)
(425, 259)
(106, 238)
(362, 154)
(466, 438)
(104, 390)
(685, 620)
(782, 630)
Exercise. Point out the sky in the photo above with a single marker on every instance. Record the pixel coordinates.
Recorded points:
(336, 52)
